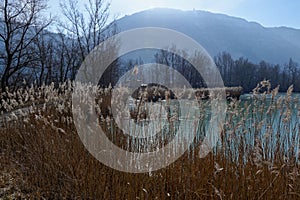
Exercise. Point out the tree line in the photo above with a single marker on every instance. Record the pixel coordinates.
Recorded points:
(234, 72)
(242, 72)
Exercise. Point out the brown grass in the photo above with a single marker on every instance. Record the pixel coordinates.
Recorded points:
(43, 157)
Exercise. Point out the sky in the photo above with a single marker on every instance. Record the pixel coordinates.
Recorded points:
(269, 13)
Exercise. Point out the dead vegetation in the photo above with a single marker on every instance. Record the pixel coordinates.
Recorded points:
(257, 157)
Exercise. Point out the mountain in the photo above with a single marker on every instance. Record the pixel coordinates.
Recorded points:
(219, 32)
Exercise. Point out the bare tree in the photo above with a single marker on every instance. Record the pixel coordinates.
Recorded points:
(68, 59)
(21, 22)
(90, 26)
(178, 62)
(45, 44)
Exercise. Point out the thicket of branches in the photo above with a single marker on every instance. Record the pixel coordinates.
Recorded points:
(30, 53)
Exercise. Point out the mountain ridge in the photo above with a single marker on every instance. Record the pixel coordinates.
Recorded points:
(220, 32)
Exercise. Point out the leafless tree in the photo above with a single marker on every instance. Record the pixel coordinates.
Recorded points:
(68, 59)
(89, 26)
(44, 45)
(21, 23)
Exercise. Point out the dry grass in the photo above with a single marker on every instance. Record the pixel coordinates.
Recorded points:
(43, 157)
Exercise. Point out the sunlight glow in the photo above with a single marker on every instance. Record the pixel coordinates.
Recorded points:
(122, 7)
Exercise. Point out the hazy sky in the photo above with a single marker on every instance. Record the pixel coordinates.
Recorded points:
(265, 12)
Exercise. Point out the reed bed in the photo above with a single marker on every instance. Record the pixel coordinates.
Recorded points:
(42, 156)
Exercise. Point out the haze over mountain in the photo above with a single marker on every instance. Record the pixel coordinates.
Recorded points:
(219, 32)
